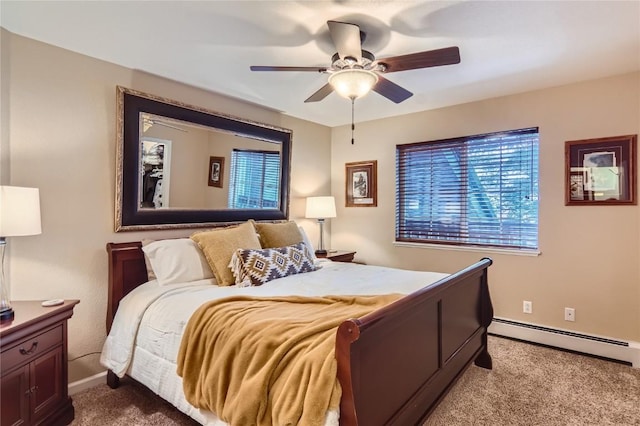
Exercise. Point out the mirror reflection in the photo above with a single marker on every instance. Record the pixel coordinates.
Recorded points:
(184, 166)
(199, 154)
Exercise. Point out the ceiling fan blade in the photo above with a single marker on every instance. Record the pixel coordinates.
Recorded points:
(430, 58)
(322, 93)
(391, 90)
(346, 38)
(270, 68)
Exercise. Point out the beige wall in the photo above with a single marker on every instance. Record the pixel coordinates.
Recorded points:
(188, 182)
(61, 139)
(5, 50)
(590, 254)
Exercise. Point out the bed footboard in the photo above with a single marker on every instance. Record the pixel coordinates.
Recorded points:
(396, 364)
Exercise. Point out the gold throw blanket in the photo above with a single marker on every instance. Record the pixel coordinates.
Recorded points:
(268, 361)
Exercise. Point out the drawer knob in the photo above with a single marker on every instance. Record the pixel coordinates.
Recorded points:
(32, 349)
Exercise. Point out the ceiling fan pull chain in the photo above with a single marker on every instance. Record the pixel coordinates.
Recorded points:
(353, 126)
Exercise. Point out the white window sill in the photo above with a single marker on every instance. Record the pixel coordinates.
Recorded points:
(514, 252)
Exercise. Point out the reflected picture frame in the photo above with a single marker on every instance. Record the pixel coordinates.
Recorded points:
(601, 171)
(361, 184)
(216, 171)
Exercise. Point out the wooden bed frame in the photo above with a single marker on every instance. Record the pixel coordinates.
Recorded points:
(394, 365)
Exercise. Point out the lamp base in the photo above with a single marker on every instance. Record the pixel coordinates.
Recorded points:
(7, 315)
(321, 252)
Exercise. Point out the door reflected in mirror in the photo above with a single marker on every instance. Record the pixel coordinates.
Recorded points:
(155, 158)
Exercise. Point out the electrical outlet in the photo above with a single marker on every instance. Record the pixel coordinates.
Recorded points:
(569, 314)
(527, 307)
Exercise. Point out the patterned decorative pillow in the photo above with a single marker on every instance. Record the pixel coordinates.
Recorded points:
(256, 267)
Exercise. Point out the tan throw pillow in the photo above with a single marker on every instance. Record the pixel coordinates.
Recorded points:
(218, 245)
(278, 234)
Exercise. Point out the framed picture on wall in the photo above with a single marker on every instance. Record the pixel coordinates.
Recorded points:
(601, 171)
(216, 171)
(361, 184)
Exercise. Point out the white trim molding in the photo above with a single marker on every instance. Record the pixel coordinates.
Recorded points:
(483, 249)
(626, 351)
(87, 383)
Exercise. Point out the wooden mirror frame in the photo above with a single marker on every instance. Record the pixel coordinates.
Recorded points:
(129, 217)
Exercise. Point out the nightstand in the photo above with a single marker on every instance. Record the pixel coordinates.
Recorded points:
(338, 255)
(34, 378)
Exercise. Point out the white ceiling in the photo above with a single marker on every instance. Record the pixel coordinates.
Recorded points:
(506, 47)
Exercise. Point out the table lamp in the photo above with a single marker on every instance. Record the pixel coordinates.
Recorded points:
(19, 215)
(321, 208)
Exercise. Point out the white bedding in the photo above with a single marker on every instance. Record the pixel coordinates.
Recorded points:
(146, 331)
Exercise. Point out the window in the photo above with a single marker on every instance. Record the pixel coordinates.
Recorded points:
(255, 176)
(475, 191)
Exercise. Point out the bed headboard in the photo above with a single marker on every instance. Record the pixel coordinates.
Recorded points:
(127, 271)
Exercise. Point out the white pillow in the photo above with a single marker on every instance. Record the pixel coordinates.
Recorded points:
(305, 240)
(177, 261)
(150, 274)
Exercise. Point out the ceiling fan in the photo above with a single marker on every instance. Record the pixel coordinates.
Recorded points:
(354, 72)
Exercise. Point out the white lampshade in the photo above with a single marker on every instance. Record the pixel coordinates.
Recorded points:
(353, 83)
(19, 211)
(320, 207)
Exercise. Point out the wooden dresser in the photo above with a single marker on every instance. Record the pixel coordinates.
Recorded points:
(33, 362)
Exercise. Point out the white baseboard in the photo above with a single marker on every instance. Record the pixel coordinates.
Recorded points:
(565, 339)
(89, 382)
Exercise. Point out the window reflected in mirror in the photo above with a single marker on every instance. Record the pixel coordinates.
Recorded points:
(254, 179)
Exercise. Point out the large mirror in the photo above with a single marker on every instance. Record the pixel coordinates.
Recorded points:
(183, 166)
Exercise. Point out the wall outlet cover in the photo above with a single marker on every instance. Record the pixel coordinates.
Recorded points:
(569, 314)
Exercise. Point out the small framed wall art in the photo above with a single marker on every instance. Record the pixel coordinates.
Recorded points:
(361, 184)
(216, 171)
(601, 171)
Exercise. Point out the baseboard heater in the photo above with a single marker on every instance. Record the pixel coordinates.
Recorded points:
(628, 352)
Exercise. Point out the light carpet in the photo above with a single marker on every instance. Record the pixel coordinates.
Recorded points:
(529, 385)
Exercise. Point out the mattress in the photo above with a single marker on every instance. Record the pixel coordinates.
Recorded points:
(147, 329)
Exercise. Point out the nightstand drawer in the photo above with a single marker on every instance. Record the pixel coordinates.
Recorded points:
(30, 348)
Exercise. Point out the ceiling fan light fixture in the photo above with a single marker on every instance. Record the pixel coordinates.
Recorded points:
(353, 83)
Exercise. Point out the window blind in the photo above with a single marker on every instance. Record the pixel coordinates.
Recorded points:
(255, 176)
(478, 190)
